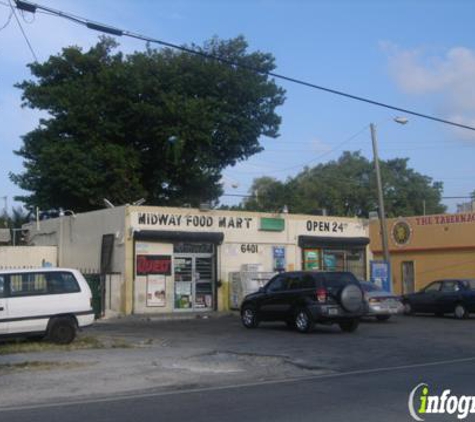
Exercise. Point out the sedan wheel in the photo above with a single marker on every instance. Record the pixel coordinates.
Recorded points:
(460, 312)
(383, 317)
(349, 326)
(303, 321)
(249, 317)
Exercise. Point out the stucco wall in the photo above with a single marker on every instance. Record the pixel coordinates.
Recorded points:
(27, 256)
(440, 246)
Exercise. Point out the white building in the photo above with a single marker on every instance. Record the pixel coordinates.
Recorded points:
(180, 259)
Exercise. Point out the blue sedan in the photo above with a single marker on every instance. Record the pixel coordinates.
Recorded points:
(454, 296)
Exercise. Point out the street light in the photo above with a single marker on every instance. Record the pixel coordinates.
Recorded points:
(382, 215)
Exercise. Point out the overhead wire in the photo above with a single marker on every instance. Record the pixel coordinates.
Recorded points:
(7, 21)
(121, 32)
(23, 32)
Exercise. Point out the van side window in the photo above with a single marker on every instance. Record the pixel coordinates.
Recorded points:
(26, 284)
(59, 282)
(41, 283)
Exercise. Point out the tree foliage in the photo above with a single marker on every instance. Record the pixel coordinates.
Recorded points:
(158, 124)
(347, 187)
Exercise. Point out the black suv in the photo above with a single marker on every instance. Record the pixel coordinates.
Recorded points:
(303, 298)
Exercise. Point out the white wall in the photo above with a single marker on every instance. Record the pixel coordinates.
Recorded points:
(27, 256)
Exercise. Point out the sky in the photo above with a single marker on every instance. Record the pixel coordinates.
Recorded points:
(417, 55)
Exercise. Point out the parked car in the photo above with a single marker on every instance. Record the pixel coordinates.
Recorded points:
(48, 302)
(381, 304)
(454, 296)
(303, 298)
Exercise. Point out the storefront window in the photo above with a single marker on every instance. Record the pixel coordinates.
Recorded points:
(341, 259)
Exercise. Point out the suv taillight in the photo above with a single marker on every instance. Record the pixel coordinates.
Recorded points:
(321, 295)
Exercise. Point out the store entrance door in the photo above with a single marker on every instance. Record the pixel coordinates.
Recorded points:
(194, 278)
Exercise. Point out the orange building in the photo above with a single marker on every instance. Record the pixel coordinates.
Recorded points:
(427, 248)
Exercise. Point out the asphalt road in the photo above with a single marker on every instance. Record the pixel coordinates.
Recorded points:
(368, 395)
(215, 370)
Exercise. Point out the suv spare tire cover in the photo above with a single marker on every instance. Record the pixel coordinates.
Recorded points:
(351, 298)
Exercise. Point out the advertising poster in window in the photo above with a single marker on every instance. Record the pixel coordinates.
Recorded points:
(380, 274)
(311, 259)
(183, 295)
(156, 290)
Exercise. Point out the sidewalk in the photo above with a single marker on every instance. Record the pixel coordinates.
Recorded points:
(169, 316)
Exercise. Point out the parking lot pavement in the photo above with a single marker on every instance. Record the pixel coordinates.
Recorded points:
(219, 351)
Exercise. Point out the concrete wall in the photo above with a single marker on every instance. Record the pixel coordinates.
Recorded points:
(27, 256)
(79, 238)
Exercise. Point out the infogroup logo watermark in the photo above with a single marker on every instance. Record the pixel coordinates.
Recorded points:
(421, 403)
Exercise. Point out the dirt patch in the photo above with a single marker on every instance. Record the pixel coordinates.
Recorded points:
(225, 362)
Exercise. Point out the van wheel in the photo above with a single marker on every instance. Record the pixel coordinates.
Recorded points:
(61, 330)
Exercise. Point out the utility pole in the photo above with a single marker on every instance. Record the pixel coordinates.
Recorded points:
(382, 214)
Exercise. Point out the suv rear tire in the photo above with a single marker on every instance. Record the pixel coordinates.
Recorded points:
(62, 330)
(349, 325)
(303, 321)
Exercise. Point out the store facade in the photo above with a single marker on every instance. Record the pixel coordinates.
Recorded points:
(427, 248)
(180, 259)
(188, 254)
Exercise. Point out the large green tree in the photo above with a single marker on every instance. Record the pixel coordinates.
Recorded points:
(158, 124)
(347, 187)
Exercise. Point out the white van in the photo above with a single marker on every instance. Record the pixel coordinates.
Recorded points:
(46, 302)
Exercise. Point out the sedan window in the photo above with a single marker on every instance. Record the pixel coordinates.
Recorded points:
(434, 287)
(469, 284)
(450, 286)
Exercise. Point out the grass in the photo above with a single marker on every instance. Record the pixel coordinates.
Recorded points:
(39, 366)
(81, 343)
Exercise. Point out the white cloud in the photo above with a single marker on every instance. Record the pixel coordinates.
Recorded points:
(320, 146)
(449, 79)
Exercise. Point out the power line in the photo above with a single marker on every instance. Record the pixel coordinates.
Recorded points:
(315, 158)
(8, 21)
(32, 7)
(22, 31)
